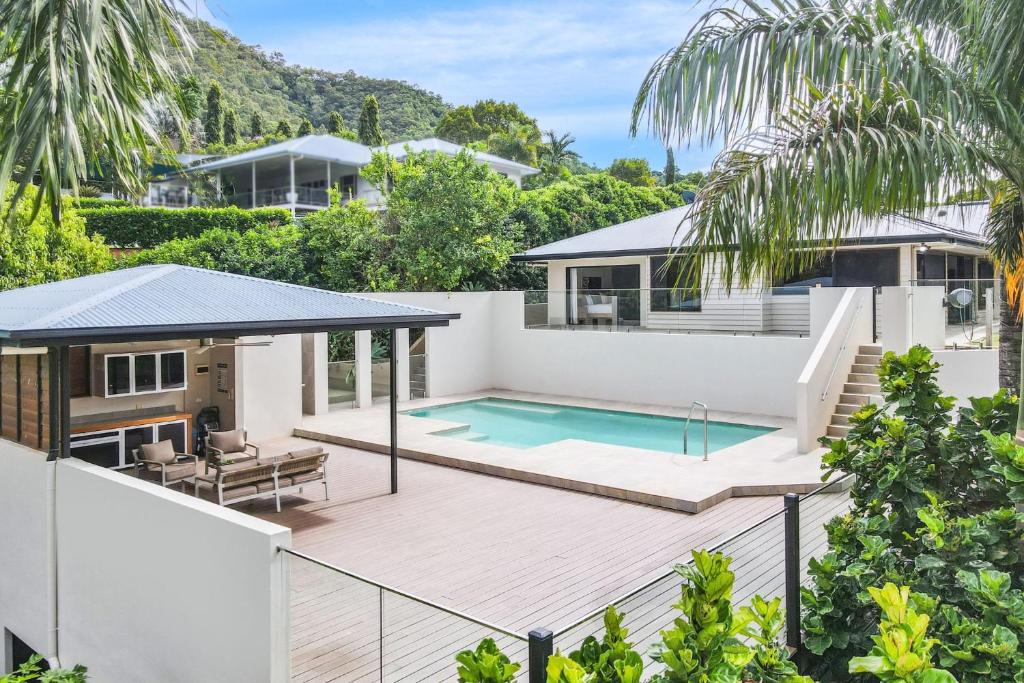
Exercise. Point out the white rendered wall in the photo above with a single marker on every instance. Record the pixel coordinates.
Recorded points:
(268, 386)
(27, 598)
(155, 585)
(968, 372)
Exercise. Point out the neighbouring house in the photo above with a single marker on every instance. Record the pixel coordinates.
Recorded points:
(133, 579)
(624, 276)
(296, 174)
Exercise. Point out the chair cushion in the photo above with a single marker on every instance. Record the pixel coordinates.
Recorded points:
(306, 476)
(302, 452)
(239, 464)
(179, 471)
(265, 485)
(161, 451)
(229, 442)
(239, 492)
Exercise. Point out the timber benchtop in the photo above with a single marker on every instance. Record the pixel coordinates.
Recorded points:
(126, 418)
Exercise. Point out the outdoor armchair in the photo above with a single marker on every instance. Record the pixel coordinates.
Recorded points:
(223, 448)
(157, 462)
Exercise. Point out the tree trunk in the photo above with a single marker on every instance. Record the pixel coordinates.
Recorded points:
(1009, 348)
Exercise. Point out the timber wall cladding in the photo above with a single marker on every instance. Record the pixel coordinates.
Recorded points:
(24, 399)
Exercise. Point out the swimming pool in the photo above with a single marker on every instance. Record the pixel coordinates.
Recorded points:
(525, 424)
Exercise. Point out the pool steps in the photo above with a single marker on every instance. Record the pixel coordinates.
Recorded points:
(861, 387)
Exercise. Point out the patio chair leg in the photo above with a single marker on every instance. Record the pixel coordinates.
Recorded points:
(326, 497)
(277, 499)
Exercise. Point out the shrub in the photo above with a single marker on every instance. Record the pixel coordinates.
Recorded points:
(100, 203)
(32, 671)
(931, 500)
(486, 664)
(147, 227)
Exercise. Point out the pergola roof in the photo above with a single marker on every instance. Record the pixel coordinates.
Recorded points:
(175, 302)
(665, 231)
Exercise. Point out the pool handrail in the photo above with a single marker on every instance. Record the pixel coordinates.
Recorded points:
(686, 428)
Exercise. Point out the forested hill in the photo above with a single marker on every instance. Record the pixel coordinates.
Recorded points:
(252, 79)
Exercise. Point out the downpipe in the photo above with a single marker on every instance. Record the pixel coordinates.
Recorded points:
(53, 641)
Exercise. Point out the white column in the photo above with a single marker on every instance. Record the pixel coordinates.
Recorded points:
(364, 368)
(402, 351)
(220, 194)
(253, 185)
(314, 373)
(291, 176)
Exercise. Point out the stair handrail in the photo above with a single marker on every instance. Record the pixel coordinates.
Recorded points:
(839, 353)
(686, 428)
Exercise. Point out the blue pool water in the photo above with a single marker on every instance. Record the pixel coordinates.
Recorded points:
(524, 424)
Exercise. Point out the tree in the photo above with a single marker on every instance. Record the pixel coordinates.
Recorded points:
(555, 153)
(79, 87)
(458, 125)
(35, 248)
(191, 96)
(335, 123)
(669, 177)
(840, 112)
(518, 142)
(230, 127)
(633, 171)
(305, 128)
(449, 216)
(284, 129)
(370, 133)
(347, 250)
(504, 128)
(213, 125)
(256, 125)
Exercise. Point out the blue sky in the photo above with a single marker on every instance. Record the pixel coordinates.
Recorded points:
(573, 65)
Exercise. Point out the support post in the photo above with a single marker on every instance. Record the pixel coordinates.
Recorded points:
(792, 556)
(253, 185)
(65, 402)
(402, 343)
(292, 197)
(220, 185)
(393, 382)
(542, 646)
(53, 380)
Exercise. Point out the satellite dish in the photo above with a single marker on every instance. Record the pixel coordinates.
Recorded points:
(960, 298)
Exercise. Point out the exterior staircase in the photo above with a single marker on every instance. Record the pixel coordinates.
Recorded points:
(861, 387)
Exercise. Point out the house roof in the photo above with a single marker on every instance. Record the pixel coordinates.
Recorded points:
(175, 302)
(661, 232)
(333, 148)
(323, 147)
(397, 150)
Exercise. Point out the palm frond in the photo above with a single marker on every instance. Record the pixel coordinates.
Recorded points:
(786, 193)
(80, 78)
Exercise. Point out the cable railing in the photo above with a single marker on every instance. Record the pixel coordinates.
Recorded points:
(348, 627)
(749, 312)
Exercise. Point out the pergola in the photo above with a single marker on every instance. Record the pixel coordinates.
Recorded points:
(168, 302)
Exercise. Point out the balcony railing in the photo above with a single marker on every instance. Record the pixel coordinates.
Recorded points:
(955, 313)
(278, 196)
(781, 310)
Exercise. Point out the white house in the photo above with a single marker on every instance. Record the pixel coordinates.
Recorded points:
(296, 174)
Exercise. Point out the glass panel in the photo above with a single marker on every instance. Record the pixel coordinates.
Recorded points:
(118, 375)
(172, 370)
(145, 372)
(867, 268)
(135, 437)
(608, 294)
(667, 294)
(102, 454)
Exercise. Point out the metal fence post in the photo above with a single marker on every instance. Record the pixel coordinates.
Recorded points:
(542, 646)
(792, 556)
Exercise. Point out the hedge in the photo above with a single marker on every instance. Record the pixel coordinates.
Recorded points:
(100, 203)
(147, 227)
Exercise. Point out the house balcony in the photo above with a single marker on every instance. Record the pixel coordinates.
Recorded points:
(304, 197)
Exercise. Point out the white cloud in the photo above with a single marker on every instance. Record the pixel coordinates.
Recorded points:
(574, 65)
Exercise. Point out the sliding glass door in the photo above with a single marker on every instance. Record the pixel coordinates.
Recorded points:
(603, 295)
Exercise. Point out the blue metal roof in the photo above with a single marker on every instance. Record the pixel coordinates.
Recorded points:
(173, 301)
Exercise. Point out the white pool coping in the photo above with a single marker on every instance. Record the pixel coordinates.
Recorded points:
(764, 465)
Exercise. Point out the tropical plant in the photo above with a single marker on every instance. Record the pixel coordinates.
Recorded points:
(485, 664)
(31, 671)
(370, 133)
(516, 141)
(555, 153)
(78, 84)
(608, 659)
(305, 128)
(213, 123)
(836, 112)
(902, 650)
(930, 499)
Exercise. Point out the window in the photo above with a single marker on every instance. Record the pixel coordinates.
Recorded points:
(149, 372)
(668, 290)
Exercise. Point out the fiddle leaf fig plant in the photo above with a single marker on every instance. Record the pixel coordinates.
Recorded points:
(610, 658)
(486, 664)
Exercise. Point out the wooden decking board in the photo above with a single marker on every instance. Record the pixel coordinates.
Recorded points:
(515, 554)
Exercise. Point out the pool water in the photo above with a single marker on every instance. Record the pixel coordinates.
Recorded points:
(525, 424)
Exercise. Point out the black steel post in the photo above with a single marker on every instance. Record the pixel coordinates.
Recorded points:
(53, 380)
(393, 362)
(792, 552)
(874, 314)
(65, 402)
(542, 646)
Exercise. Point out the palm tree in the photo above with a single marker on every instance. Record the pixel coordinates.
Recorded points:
(518, 142)
(835, 112)
(78, 83)
(555, 151)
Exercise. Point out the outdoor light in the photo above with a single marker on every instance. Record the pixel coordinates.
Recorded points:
(923, 248)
